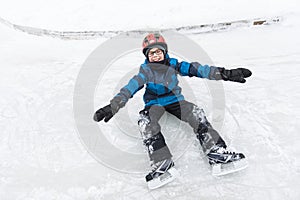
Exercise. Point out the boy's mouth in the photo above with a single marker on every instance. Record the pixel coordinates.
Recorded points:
(156, 59)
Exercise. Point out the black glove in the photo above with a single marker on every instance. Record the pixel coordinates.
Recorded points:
(110, 110)
(236, 75)
(103, 113)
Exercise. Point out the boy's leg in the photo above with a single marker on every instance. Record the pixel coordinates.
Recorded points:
(163, 170)
(195, 116)
(222, 160)
(151, 133)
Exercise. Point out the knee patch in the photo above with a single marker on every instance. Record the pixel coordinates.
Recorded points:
(199, 114)
(202, 123)
(147, 127)
(143, 122)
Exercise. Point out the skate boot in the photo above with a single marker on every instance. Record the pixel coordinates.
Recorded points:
(163, 172)
(225, 162)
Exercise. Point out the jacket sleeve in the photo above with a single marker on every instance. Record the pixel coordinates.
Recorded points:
(198, 70)
(135, 84)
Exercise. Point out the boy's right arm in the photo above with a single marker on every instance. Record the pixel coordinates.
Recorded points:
(107, 112)
(135, 84)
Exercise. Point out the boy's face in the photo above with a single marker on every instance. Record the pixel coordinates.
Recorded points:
(155, 55)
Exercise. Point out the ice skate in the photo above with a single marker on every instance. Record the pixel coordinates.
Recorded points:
(162, 173)
(225, 162)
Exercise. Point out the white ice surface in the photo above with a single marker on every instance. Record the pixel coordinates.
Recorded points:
(41, 156)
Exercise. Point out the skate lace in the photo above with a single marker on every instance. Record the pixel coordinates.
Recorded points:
(155, 166)
(225, 151)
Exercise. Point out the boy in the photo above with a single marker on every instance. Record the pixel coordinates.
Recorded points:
(159, 74)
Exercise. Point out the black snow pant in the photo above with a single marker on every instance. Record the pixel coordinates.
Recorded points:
(188, 112)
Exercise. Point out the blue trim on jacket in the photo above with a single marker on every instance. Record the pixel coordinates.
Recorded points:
(162, 83)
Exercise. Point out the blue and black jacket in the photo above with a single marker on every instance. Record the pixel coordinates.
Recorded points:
(162, 82)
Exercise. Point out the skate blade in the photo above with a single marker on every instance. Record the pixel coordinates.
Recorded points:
(168, 177)
(223, 169)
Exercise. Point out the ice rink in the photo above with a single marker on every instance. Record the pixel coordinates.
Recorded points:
(42, 153)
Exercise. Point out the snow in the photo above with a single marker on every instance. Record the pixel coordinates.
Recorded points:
(42, 154)
(104, 15)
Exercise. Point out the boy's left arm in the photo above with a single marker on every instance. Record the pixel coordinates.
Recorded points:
(215, 73)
